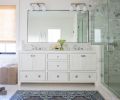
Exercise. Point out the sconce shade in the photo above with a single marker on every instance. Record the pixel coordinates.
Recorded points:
(78, 7)
(38, 6)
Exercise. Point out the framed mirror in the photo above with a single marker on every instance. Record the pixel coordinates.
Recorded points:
(50, 26)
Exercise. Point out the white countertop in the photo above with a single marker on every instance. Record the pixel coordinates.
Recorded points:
(77, 51)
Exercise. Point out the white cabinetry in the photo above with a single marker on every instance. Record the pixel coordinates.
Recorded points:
(32, 76)
(25, 62)
(56, 56)
(83, 77)
(57, 67)
(85, 61)
(32, 67)
(58, 76)
(57, 63)
(32, 61)
(83, 67)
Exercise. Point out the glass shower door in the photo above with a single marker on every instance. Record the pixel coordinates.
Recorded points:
(114, 67)
(107, 20)
(114, 45)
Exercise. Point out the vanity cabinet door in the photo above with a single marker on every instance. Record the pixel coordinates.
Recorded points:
(38, 62)
(26, 61)
(83, 61)
(88, 60)
(32, 61)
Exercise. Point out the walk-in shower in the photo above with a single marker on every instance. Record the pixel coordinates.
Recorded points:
(106, 23)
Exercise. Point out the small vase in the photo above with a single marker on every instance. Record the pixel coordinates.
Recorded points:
(61, 48)
(56, 49)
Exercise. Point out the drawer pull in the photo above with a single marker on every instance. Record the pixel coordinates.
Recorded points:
(57, 57)
(26, 76)
(58, 65)
(58, 76)
(89, 76)
(76, 76)
(32, 55)
(83, 55)
(39, 76)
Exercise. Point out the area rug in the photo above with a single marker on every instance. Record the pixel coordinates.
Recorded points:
(56, 95)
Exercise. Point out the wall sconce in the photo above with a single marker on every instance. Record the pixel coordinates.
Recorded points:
(78, 7)
(38, 6)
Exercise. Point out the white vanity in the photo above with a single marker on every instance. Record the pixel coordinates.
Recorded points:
(57, 67)
(75, 64)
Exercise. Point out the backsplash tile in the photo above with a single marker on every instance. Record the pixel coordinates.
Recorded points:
(47, 46)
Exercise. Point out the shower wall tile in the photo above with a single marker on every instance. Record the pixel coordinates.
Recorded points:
(114, 28)
(114, 9)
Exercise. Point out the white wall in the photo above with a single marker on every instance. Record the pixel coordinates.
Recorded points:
(11, 58)
(8, 2)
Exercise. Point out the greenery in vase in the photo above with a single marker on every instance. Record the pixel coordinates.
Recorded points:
(61, 42)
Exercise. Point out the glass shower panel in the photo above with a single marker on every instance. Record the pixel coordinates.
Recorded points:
(105, 66)
(100, 36)
(114, 67)
(114, 46)
(107, 20)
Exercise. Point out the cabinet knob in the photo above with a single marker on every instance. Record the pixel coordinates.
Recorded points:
(58, 65)
(83, 55)
(89, 76)
(58, 76)
(76, 76)
(32, 55)
(26, 76)
(39, 76)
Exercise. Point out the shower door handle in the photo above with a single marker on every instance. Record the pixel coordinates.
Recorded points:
(107, 47)
(110, 47)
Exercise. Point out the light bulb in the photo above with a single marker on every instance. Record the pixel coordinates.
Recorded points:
(43, 7)
(33, 6)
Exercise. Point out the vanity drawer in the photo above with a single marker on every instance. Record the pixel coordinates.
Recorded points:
(82, 77)
(32, 76)
(57, 56)
(57, 65)
(58, 76)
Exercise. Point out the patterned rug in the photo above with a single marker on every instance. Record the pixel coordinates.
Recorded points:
(56, 95)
